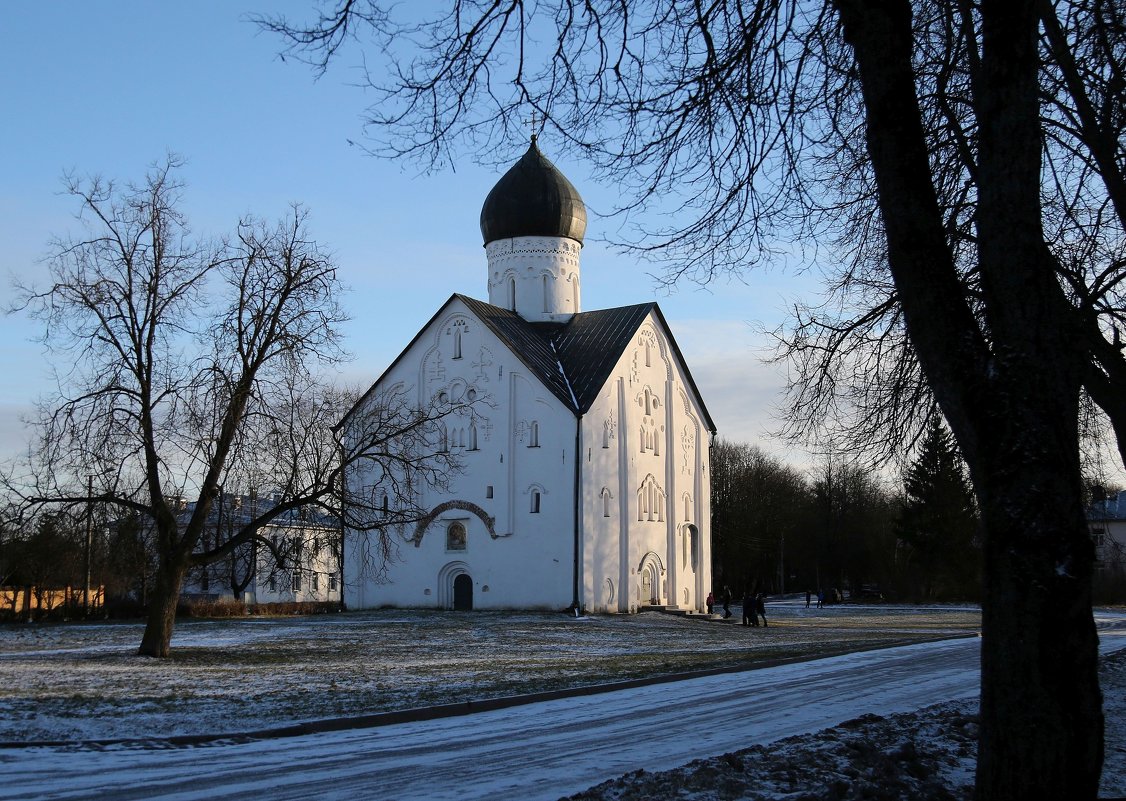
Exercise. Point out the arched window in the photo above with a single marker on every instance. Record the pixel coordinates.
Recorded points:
(606, 498)
(606, 434)
(456, 536)
(472, 435)
(546, 294)
(534, 435)
(457, 342)
(650, 500)
(443, 438)
(512, 293)
(535, 502)
(383, 503)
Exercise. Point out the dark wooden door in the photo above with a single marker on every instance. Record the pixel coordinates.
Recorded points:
(463, 593)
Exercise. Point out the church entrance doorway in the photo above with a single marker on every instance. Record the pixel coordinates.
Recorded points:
(463, 593)
(648, 585)
(650, 573)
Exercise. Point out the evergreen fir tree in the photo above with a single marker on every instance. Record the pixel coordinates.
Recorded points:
(938, 524)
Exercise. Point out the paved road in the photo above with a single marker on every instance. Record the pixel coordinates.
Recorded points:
(538, 751)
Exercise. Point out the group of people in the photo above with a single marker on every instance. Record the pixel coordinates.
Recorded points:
(820, 598)
(754, 606)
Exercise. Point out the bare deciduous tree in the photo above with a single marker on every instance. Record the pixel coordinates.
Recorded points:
(190, 366)
(962, 162)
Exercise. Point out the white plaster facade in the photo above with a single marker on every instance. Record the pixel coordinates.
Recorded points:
(312, 574)
(1106, 519)
(585, 452)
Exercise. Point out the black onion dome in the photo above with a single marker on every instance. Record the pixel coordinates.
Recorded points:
(533, 199)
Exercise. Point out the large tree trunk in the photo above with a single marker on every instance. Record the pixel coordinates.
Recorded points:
(169, 577)
(1041, 709)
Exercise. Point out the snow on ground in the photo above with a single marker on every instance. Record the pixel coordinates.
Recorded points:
(84, 681)
(792, 716)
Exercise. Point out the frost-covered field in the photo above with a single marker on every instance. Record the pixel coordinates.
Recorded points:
(84, 681)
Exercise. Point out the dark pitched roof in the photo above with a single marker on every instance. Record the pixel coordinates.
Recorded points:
(572, 359)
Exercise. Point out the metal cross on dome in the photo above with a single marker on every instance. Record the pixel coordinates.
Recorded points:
(532, 123)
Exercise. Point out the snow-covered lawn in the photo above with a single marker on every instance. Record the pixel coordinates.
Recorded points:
(84, 681)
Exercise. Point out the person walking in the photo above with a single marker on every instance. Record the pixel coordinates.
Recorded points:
(749, 617)
(808, 595)
(760, 609)
(710, 602)
(726, 602)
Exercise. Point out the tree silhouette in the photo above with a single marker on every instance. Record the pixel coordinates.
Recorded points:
(938, 522)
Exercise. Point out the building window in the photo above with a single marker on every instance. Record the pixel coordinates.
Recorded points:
(606, 498)
(535, 502)
(316, 582)
(472, 436)
(650, 501)
(459, 328)
(534, 435)
(455, 537)
(272, 583)
(546, 294)
(332, 581)
(512, 294)
(297, 581)
(489, 491)
(204, 581)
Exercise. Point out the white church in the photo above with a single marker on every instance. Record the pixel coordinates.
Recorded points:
(585, 479)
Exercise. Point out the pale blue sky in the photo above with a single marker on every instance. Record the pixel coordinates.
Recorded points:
(110, 87)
